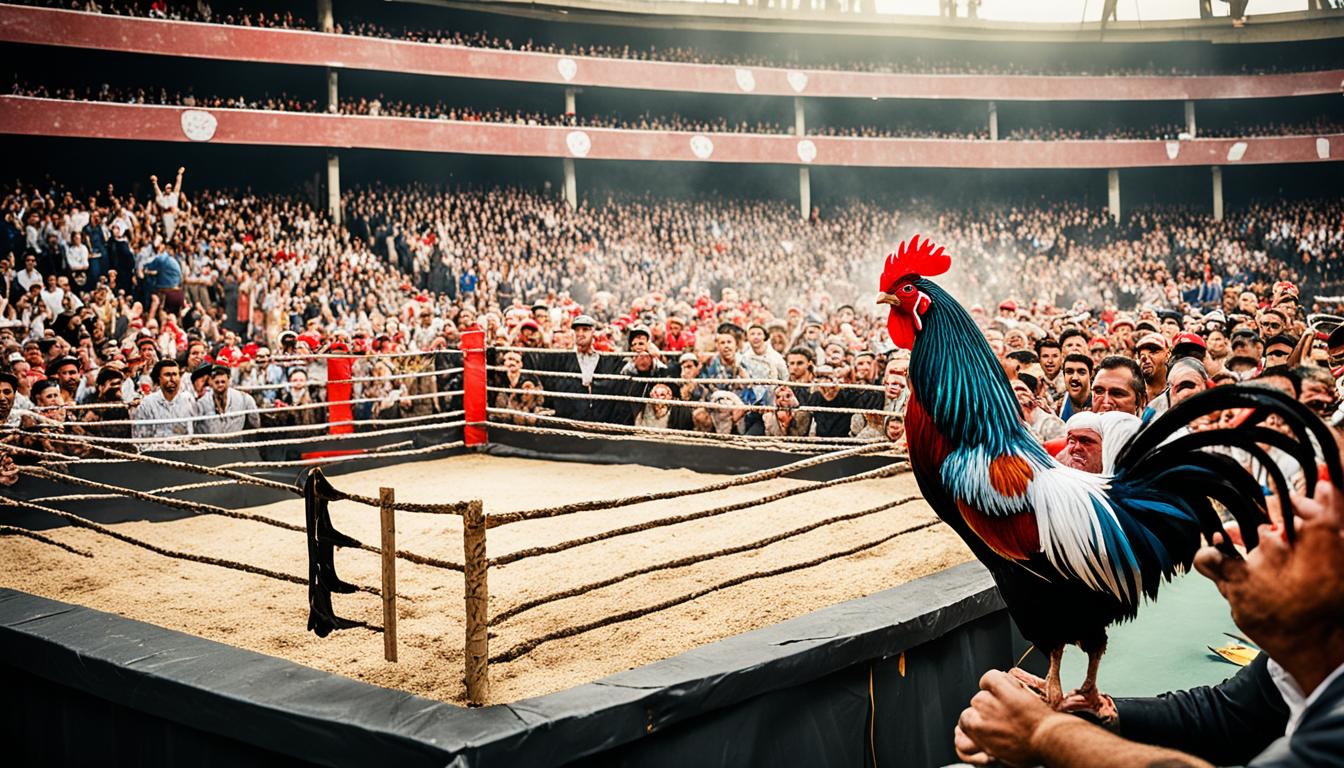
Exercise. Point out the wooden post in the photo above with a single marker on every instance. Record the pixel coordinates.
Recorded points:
(386, 498)
(477, 652)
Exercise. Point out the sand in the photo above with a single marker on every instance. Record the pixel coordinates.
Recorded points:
(270, 616)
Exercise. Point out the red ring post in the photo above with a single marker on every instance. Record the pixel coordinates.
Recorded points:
(474, 397)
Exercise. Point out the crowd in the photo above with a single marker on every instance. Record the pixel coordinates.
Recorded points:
(264, 15)
(180, 311)
(381, 105)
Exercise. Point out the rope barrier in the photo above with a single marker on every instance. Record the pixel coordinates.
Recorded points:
(452, 508)
(99, 496)
(694, 559)
(528, 645)
(689, 439)
(260, 430)
(506, 518)
(212, 509)
(348, 356)
(251, 411)
(524, 554)
(677, 380)
(167, 501)
(686, 403)
(81, 522)
(9, 530)
(754, 441)
(179, 465)
(358, 453)
(352, 379)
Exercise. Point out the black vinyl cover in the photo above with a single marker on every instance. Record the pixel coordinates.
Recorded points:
(793, 693)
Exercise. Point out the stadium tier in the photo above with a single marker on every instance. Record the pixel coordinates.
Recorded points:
(736, 383)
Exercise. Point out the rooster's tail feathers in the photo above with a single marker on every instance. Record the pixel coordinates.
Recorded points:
(1178, 462)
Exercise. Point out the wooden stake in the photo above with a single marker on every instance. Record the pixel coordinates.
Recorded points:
(477, 653)
(386, 498)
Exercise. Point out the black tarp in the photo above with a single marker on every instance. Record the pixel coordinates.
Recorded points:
(126, 692)
(798, 690)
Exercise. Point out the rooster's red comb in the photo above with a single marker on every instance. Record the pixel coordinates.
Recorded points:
(915, 258)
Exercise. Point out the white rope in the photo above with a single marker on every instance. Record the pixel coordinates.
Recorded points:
(676, 380)
(273, 409)
(353, 380)
(370, 454)
(686, 403)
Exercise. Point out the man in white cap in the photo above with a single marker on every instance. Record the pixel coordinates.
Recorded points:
(1093, 440)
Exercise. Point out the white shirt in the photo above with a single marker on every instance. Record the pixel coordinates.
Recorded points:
(239, 409)
(155, 407)
(77, 257)
(587, 366)
(1292, 693)
(26, 277)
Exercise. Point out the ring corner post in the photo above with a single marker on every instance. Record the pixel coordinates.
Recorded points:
(476, 653)
(474, 397)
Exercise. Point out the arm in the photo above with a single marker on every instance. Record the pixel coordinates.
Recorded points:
(177, 185)
(1227, 723)
(1008, 722)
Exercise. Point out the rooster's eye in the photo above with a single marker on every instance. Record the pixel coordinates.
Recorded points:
(908, 289)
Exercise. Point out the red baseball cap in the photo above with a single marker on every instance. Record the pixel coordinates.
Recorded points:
(1187, 338)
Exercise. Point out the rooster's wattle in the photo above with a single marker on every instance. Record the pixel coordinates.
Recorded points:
(1072, 552)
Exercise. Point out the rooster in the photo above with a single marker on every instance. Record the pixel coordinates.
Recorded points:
(1072, 553)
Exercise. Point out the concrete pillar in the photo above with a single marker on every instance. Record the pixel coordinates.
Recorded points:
(804, 192)
(1190, 118)
(569, 102)
(1217, 192)
(1113, 194)
(333, 91)
(334, 187)
(571, 184)
(326, 20)
(804, 175)
(993, 121)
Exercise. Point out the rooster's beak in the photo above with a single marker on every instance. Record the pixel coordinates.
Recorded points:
(887, 298)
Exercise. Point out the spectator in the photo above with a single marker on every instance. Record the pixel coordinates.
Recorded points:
(168, 411)
(829, 395)
(225, 409)
(1093, 441)
(1119, 386)
(109, 407)
(786, 420)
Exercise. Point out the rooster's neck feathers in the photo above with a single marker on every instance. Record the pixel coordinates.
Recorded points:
(957, 379)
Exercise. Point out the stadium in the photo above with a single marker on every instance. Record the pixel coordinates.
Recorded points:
(500, 382)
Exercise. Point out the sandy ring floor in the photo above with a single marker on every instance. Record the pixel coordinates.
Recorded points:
(269, 616)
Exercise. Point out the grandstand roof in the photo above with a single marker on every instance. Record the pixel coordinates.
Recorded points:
(677, 14)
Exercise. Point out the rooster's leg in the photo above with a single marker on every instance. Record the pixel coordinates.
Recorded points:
(1054, 692)
(1093, 700)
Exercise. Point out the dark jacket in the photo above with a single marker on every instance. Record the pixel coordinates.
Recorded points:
(580, 408)
(1240, 721)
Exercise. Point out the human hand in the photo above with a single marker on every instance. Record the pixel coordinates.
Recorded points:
(1278, 585)
(9, 471)
(1002, 721)
(153, 179)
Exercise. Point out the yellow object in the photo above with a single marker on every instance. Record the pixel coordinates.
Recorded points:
(1236, 653)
